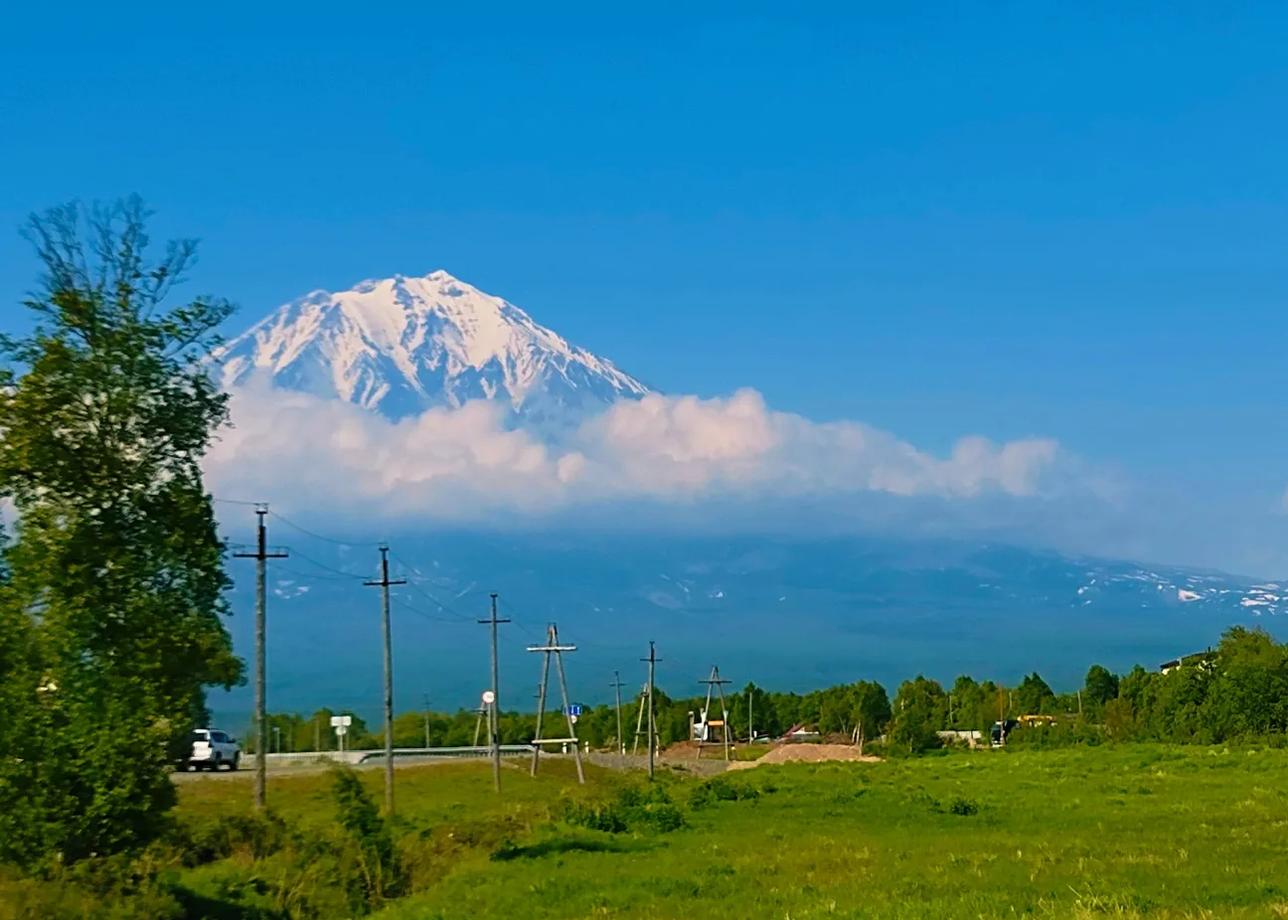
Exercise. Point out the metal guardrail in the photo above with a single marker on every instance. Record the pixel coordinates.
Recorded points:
(362, 757)
(450, 752)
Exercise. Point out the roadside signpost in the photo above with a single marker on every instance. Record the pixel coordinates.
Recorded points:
(341, 725)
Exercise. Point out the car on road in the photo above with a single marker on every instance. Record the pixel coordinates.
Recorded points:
(212, 749)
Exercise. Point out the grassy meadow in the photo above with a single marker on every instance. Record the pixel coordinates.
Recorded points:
(1119, 831)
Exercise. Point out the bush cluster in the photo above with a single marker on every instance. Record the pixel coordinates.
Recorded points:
(721, 789)
(634, 808)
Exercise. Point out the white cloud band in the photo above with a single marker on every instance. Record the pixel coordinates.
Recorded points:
(463, 464)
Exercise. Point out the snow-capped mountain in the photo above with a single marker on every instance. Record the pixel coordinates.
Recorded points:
(402, 345)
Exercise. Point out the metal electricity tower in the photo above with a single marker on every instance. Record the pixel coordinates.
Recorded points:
(383, 584)
(261, 557)
(553, 649)
(494, 722)
(715, 684)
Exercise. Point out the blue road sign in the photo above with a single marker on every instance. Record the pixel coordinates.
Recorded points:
(574, 709)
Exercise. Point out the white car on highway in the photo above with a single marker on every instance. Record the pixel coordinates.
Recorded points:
(212, 749)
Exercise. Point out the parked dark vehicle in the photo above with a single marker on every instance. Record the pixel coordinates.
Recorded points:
(997, 736)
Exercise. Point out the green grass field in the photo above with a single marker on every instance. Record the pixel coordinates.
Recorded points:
(1130, 831)
(1136, 831)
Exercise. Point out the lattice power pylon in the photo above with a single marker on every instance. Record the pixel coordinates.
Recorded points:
(715, 685)
(640, 730)
(552, 649)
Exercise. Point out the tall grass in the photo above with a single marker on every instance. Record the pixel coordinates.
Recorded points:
(1111, 831)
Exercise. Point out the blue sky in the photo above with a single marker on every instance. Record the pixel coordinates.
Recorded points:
(1006, 219)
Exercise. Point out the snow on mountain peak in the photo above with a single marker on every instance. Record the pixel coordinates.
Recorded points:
(404, 344)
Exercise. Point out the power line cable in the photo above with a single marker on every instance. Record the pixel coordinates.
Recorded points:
(510, 612)
(446, 608)
(416, 610)
(328, 568)
(318, 536)
(313, 576)
(442, 605)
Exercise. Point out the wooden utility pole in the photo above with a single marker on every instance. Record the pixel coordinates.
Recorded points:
(426, 721)
(261, 557)
(617, 689)
(652, 660)
(552, 648)
(494, 722)
(751, 725)
(383, 584)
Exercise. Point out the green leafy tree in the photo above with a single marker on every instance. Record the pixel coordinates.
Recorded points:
(870, 710)
(920, 710)
(1099, 687)
(115, 581)
(1034, 695)
(1120, 719)
(971, 706)
(1247, 692)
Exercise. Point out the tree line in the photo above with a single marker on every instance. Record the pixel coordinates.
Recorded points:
(1237, 690)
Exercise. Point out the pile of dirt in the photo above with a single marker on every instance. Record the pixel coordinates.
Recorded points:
(807, 753)
(688, 750)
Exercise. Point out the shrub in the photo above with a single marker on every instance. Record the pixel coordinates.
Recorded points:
(721, 789)
(633, 808)
(204, 841)
(606, 817)
(373, 871)
(663, 817)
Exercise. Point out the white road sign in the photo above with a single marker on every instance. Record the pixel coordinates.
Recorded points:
(342, 721)
(489, 697)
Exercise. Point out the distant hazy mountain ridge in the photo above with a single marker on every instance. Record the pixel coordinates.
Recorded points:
(784, 613)
(402, 345)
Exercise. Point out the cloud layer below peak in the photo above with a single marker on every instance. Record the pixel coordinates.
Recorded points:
(467, 464)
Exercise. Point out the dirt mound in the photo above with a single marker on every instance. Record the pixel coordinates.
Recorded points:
(689, 749)
(807, 753)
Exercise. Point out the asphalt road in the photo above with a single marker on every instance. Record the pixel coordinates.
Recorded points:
(517, 761)
(300, 767)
